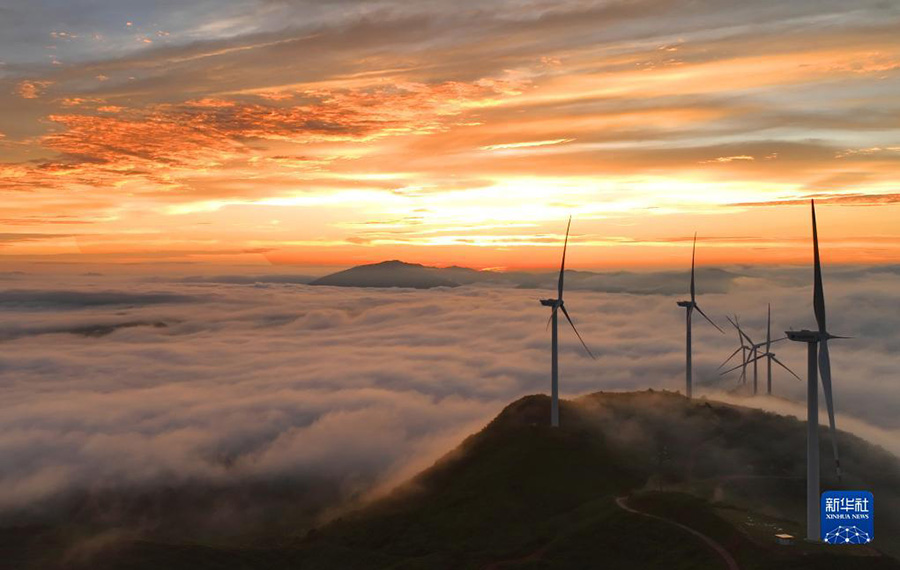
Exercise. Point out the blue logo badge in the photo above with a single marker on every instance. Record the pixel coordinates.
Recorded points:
(848, 517)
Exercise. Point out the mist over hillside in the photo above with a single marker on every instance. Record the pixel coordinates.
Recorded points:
(513, 488)
(231, 398)
(516, 492)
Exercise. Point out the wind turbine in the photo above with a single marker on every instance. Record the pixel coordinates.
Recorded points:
(557, 305)
(743, 349)
(753, 357)
(754, 349)
(770, 356)
(689, 309)
(819, 363)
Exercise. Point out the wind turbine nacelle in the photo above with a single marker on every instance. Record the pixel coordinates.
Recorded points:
(548, 302)
(684, 303)
(803, 336)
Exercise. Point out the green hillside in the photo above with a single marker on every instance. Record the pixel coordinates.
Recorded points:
(521, 495)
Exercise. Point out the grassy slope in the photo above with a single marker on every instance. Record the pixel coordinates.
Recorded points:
(533, 497)
(521, 495)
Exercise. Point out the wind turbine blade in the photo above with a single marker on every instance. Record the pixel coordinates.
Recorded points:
(779, 339)
(550, 320)
(693, 256)
(769, 328)
(825, 373)
(738, 349)
(566, 313)
(699, 310)
(783, 365)
(750, 361)
(562, 267)
(741, 334)
(818, 291)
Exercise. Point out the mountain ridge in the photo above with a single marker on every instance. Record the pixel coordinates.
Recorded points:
(401, 274)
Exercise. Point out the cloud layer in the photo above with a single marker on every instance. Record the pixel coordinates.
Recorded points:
(220, 384)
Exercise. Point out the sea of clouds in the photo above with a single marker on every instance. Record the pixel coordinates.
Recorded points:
(110, 382)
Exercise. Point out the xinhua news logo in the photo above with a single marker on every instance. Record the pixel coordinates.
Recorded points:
(848, 517)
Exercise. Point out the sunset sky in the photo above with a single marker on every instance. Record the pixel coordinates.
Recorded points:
(305, 133)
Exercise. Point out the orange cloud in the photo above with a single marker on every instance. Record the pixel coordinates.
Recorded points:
(403, 136)
(847, 199)
(32, 89)
(727, 159)
(208, 133)
(528, 144)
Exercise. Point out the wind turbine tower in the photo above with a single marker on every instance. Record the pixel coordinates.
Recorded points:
(558, 305)
(819, 364)
(769, 349)
(689, 307)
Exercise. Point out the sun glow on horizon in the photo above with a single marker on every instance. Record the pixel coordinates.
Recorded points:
(391, 148)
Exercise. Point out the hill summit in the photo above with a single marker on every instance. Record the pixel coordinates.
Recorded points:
(521, 494)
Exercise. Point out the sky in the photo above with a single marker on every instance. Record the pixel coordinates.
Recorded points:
(171, 172)
(159, 135)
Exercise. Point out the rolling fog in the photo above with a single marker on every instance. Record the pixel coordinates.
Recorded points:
(111, 383)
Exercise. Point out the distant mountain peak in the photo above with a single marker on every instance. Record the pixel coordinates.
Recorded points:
(392, 263)
(398, 273)
(392, 273)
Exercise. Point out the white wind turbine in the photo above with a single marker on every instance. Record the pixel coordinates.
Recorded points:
(689, 309)
(770, 356)
(753, 348)
(743, 349)
(557, 305)
(819, 363)
(751, 355)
